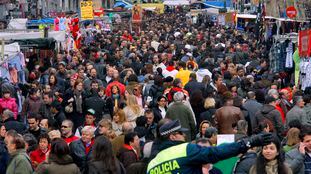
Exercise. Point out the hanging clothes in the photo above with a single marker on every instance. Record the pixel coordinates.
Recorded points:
(289, 56)
(305, 73)
(296, 59)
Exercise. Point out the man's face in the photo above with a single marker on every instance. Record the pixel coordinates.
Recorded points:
(93, 73)
(307, 142)
(47, 99)
(94, 86)
(65, 129)
(44, 124)
(33, 124)
(178, 136)
(9, 145)
(86, 137)
(89, 119)
(110, 72)
(135, 142)
(61, 68)
(149, 118)
(301, 103)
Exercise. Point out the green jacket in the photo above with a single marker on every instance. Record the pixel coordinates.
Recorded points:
(20, 163)
(180, 111)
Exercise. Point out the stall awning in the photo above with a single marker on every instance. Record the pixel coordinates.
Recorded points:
(122, 4)
(176, 2)
(42, 43)
(217, 4)
(59, 36)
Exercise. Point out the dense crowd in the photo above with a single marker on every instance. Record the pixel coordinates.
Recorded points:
(154, 102)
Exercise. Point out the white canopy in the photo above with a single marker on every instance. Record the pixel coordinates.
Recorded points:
(11, 49)
(176, 2)
(17, 24)
(59, 36)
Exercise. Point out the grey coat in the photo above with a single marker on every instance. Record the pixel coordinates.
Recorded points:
(252, 106)
(295, 160)
(296, 113)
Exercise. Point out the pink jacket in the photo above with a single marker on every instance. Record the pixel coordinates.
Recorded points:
(9, 103)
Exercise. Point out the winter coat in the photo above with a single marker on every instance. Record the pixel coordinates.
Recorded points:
(271, 168)
(57, 165)
(4, 157)
(269, 112)
(245, 163)
(96, 103)
(155, 92)
(180, 111)
(252, 106)
(100, 167)
(79, 155)
(208, 115)
(37, 133)
(11, 123)
(194, 85)
(295, 160)
(307, 110)
(10, 104)
(19, 163)
(31, 105)
(37, 157)
(296, 113)
(127, 155)
(227, 116)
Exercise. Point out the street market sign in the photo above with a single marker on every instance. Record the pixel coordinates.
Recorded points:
(86, 10)
(291, 12)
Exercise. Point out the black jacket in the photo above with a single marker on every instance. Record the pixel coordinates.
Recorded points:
(245, 163)
(37, 133)
(80, 158)
(157, 114)
(194, 85)
(100, 167)
(11, 123)
(155, 92)
(96, 103)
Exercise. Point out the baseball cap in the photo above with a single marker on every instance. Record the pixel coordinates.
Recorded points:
(91, 111)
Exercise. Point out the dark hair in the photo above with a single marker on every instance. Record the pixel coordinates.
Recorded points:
(55, 83)
(31, 141)
(129, 137)
(45, 136)
(305, 130)
(262, 162)
(216, 77)
(33, 91)
(193, 76)
(33, 115)
(158, 80)
(295, 124)
(102, 151)
(59, 147)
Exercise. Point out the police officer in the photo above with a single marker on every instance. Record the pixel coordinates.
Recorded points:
(178, 157)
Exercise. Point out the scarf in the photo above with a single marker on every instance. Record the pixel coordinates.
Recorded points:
(78, 99)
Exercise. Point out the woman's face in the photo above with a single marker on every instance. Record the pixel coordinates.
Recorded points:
(116, 118)
(7, 95)
(270, 152)
(103, 130)
(114, 90)
(52, 79)
(204, 127)
(162, 102)
(79, 87)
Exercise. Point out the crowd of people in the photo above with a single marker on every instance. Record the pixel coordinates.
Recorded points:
(154, 102)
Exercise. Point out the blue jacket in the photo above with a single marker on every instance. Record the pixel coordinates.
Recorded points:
(179, 157)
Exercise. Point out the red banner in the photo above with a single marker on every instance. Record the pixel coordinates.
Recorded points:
(304, 46)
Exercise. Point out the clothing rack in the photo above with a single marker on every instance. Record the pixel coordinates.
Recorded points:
(293, 37)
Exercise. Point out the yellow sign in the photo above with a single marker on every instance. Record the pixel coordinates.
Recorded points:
(157, 7)
(86, 10)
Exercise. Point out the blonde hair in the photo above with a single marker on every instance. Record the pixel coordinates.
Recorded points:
(132, 103)
(293, 136)
(105, 122)
(209, 103)
(121, 114)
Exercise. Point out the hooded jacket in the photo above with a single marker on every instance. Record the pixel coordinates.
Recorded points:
(270, 113)
(10, 104)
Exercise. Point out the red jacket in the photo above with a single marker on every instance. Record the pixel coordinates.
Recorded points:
(70, 139)
(37, 157)
(115, 83)
(9, 103)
